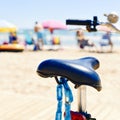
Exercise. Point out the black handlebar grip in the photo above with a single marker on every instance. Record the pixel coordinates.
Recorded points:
(78, 22)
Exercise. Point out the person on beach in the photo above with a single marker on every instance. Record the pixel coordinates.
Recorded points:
(13, 38)
(40, 39)
(81, 41)
(106, 41)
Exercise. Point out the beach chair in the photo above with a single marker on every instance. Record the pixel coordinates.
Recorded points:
(106, 43)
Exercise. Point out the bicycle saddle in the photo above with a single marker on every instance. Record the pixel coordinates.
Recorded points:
(78, 71)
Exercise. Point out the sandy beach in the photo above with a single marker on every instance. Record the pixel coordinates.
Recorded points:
(26, 96)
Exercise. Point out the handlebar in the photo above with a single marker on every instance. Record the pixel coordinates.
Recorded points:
(90, 24)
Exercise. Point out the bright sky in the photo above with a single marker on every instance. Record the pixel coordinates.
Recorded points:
(24, 13)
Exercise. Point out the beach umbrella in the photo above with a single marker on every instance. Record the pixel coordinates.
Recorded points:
(6, 26)
(103, 28)
(53, 25)
(108, 27)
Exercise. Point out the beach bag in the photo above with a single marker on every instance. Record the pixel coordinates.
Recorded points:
(56, 41)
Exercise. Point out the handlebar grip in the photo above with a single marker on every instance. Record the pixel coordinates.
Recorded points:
(78, 22)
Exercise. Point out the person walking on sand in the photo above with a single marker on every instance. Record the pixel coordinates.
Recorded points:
(39, 32)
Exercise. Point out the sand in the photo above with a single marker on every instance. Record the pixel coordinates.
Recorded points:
(26, 96)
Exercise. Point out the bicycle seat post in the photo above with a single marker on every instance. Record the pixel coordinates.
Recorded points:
(82, 98)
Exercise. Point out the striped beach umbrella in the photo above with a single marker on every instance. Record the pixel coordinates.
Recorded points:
(6, 26)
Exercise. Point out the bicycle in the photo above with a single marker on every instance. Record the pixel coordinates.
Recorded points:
(80, 72)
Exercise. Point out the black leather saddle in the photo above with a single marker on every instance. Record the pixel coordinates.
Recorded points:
(78, 71)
